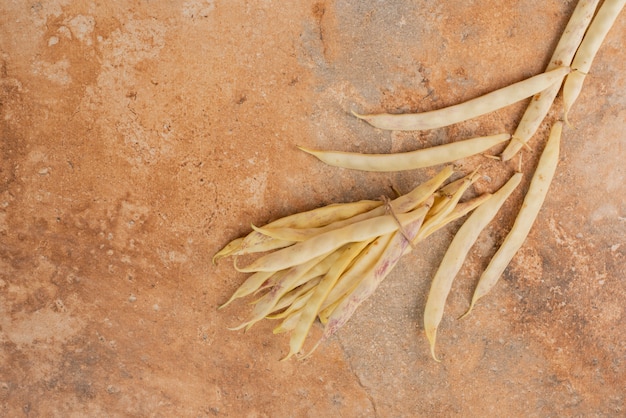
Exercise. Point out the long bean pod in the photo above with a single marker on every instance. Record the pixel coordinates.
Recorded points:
(470, 109)
(563, 54)
(525, 219)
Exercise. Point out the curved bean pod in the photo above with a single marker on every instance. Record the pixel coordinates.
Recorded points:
(288, 282)
(294, 300)
(324, 243)
(533, 201)
(363, 266)
(251, 285)
(315, 218)
(599, 28)
(405, 203)
(383, 266)
(310, 310)
(455, 255)
(470, 109)
(426, 157)
(459, 211)
(563, 55)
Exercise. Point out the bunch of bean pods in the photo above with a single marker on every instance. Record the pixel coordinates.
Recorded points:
(323, 263)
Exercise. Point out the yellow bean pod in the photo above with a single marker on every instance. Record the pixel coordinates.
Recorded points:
(599, 28)
(470, 109)
(312, 307)
(562, 55)
(383, 266)
(533, 201)
(455, 256)
(426, 157)
(327, 242)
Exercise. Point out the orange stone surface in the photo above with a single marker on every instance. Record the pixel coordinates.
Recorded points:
(137, 138)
